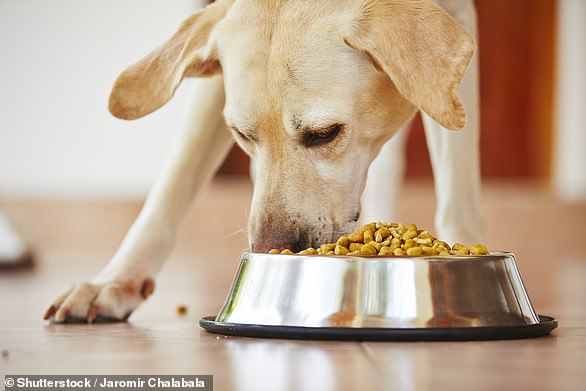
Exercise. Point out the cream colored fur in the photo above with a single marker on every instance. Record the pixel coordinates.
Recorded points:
(310, 89)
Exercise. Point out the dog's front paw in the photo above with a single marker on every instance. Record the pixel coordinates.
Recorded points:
(100, 302)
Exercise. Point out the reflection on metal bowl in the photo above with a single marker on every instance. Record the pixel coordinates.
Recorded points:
(377, 292)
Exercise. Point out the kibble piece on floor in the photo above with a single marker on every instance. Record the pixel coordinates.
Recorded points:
(181, 309)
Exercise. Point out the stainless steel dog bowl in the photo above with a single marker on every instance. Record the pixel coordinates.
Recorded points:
(394, 298)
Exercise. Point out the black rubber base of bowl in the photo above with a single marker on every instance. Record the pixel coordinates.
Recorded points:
(544, 327)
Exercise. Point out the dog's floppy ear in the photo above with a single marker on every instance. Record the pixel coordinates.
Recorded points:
(148, 84)
(421, 48)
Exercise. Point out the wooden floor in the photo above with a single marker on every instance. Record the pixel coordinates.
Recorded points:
(73, 239)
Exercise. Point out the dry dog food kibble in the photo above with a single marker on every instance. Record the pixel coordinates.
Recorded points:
(181, 309)
(391, 239)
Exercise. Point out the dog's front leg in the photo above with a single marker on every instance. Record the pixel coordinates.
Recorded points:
(455, 155)
(129, 276)
(385, 177)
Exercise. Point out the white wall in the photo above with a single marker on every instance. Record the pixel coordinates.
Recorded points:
(58, 60)
(570, 132)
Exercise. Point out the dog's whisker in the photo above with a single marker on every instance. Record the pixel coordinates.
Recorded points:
(240, 230)
(231, 235)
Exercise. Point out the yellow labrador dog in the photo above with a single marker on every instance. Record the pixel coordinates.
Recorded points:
(311, 90)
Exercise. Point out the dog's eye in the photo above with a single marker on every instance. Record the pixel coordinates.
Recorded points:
(315, 138)
(241, 134)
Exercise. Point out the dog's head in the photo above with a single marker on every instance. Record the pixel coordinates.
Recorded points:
(313, 90)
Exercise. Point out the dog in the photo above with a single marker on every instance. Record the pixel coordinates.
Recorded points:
(313, 91)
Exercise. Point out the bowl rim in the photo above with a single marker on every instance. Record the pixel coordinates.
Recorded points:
(493, 255)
